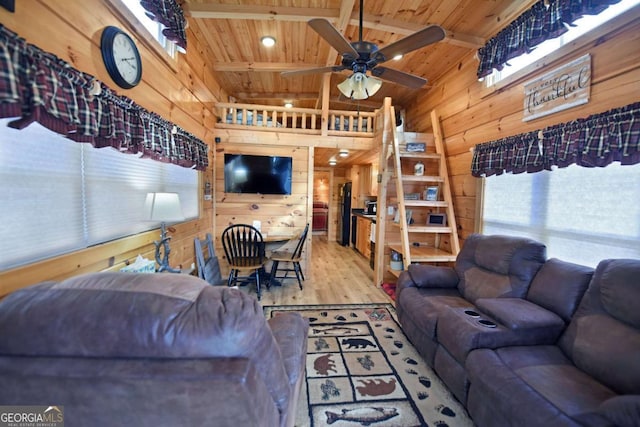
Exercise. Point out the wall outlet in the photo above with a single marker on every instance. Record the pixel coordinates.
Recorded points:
(390, 210)
(257, 224)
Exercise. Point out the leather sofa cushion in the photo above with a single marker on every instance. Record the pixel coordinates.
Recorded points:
(151, 316)
(559, 285)
(620, 290)
(597, 339)
(497, 266)
(513, 380)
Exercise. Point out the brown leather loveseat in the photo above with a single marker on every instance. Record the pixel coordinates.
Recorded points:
(150, 350)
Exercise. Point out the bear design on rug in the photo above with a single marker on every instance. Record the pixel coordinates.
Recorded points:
(324, 364)
(357, 343)
(376, 387)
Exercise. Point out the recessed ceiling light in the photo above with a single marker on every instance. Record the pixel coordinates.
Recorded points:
(268, 41)
(397, 57)
(343, 153)
(288, 104)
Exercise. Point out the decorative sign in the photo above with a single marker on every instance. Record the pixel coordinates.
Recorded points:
(560, 89)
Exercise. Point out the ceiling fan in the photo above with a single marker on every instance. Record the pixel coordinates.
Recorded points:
(363, 56)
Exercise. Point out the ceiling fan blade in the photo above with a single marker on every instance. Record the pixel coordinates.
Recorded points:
(400, 77)
(419, 39)
(306, 71)
(332, 36)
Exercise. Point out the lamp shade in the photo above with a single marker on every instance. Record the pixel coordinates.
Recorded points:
(163, 207)
(359, 86)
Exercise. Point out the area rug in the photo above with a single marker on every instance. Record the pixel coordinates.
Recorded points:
(362, 370)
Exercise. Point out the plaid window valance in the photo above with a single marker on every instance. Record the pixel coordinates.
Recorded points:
(38, 86)
(597, 140)
(170, 14)
(545, 20)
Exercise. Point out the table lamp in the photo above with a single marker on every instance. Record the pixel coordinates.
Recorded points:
(163, 207)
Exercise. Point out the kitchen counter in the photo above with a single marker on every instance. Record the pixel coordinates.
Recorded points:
(371, 218)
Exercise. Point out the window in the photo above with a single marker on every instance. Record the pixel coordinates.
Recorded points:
(583, 215)
(582, 26)
(60, 196)
(154, 28)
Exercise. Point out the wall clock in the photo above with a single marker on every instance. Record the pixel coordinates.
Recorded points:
(121, 57)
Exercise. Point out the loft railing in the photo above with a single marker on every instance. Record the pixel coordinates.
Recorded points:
(299, 120)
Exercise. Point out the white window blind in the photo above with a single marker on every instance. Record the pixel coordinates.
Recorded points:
(583, 215)
(59, 196)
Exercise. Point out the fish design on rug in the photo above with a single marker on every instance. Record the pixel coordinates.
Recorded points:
(366, 362)
(365, 416)
(357, 343)
(320, 343)
(324, 364)
(335, 330)
(377, 387)
(329, 389)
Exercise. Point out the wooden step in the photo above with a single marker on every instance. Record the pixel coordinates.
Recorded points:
(426, 229)
(426, 203)
(422, 178)
(420, 155)
(395, 273)
(427, 254)
(431, 229)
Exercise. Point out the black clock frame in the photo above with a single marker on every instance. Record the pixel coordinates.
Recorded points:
(106, 47)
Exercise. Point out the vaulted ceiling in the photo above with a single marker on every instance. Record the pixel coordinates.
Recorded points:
(230, 31)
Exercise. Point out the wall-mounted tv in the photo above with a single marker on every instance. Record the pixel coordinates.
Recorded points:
(244, 173)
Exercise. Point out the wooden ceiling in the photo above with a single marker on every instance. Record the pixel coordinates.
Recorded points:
(230, 31)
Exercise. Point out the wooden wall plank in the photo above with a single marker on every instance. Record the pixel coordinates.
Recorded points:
(471, 114)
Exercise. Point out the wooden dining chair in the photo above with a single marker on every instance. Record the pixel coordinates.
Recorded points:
(207, 261)
(290, 260)
(245, 251)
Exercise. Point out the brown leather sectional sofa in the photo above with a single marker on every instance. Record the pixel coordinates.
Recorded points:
(522, 340)
(150, 350)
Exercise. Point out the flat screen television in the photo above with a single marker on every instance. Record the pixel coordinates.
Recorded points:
(244, 173)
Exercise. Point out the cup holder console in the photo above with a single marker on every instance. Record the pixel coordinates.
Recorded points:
(475, 315)
(487, 323)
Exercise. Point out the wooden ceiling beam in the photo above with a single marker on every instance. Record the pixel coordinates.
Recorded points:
(346, 10)
(259, 13)
(274, 67)
(342, 17)
(404, 28)
(277, 95)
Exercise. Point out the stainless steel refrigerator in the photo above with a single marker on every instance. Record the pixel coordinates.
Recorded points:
(344, 218)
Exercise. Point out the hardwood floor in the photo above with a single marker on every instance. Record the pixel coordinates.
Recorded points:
(337, 275)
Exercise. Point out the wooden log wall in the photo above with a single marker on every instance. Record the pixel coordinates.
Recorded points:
(278, 214)
(472, 114)
(183, 90)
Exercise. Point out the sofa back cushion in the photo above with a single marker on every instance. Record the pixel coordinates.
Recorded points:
(498, 266)
(603, 338)
(150, 316)
(559, 286)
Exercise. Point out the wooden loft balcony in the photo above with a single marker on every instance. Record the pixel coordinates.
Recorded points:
(309, 121)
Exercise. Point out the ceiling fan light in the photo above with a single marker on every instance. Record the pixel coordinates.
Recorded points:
(359, 86)
(268, 41)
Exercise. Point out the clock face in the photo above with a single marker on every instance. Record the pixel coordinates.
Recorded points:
(126, 58)
(121, 57)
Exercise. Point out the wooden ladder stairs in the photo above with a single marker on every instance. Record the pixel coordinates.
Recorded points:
(421, 229)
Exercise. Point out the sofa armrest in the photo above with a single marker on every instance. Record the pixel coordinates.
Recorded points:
(290, 331)
(520, 315)
(428, 276)
(622, 411)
